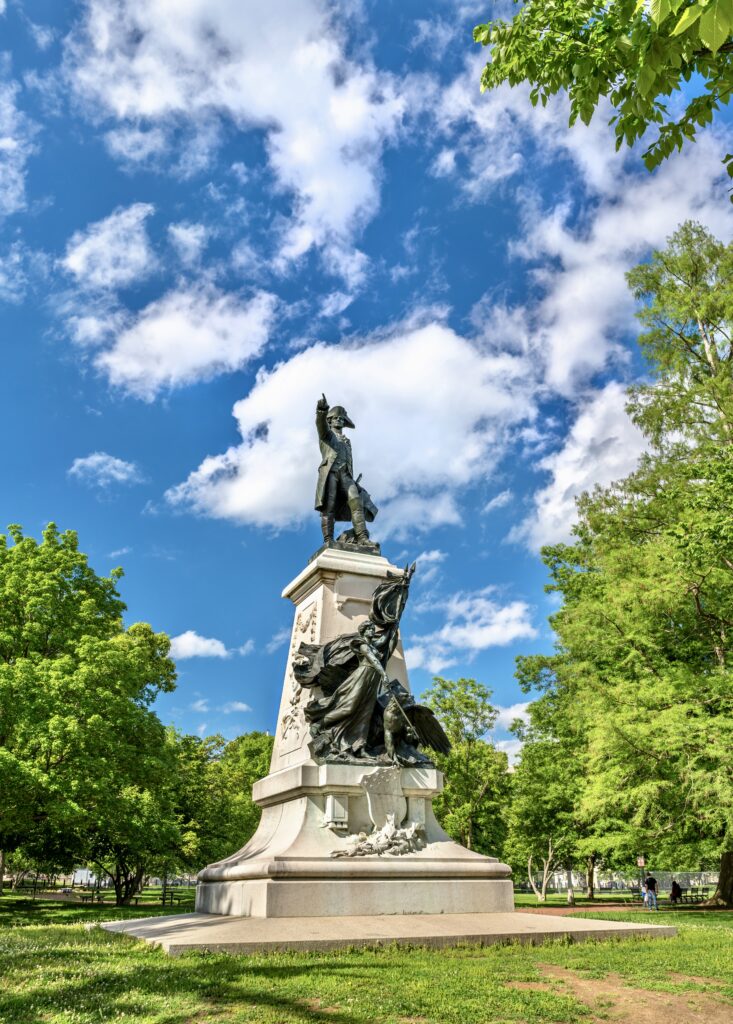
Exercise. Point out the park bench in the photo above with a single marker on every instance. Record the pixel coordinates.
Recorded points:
(169, 898)
(694, 894)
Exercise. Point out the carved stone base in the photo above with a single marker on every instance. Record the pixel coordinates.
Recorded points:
(299, 862)
(346, 839)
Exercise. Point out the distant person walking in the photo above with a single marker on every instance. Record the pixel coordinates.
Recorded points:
(651, 893)
(676, 893)
(643, 893)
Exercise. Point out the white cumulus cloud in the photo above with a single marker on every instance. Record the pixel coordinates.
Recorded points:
(16, 147)
(193, 333)
(102, 470)
(326, 115)
(114, 252)
(603, 445)
(189, 241)
(191, 645)
(512, 748)
(580, 247)
(494, 135)
(233, 706)
(14, 261)
(499, 500)
(135, 145)
(506, 715)
(474, 621)
(428, 564)
(432, 412)
(587, 308)
(278, 640)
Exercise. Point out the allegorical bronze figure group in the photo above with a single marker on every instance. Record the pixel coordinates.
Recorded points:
(361, 716)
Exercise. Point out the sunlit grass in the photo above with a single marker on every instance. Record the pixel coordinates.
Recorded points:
(55, 971)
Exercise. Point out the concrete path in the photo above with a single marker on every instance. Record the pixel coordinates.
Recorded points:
(182, 933)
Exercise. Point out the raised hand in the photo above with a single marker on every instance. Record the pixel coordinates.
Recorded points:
(322, 403)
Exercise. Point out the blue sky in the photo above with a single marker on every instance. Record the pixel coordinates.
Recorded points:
(211, 212)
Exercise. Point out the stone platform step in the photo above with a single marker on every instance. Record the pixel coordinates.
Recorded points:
(182, 933)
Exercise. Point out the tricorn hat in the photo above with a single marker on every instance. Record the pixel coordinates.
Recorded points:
(338, 410)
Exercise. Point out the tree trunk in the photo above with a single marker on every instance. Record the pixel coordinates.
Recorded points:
(571, 894)
(590, 867)
(2, 871)
(18, 878)
(540, 895)
(723, 895)
(548, 864)
(126, 882)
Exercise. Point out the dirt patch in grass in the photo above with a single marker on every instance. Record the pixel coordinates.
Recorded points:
(684, 979)
(317, 1004)
(611, 1000)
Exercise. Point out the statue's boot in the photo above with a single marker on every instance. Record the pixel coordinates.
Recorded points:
(359, 523)
(327, 524)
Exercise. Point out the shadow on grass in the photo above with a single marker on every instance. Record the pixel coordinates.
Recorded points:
(54, 974)
(121, 977)
(17, 910)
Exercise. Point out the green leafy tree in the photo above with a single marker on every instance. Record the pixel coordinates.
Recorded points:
(637, 53)
(541, 813)
(647, 587)
(243, 762)
(201, 804)
(133, 825)
(471, 807)
(547, 825)
(76, 731)
(213, 794)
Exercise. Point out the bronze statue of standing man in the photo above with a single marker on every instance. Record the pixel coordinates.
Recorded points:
(339, 497)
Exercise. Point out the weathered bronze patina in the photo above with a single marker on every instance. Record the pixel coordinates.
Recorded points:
(339, 497)
(361, 716)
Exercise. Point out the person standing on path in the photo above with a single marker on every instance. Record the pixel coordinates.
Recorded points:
(651, 893)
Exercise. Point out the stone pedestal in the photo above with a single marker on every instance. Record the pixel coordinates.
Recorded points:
(305, 860)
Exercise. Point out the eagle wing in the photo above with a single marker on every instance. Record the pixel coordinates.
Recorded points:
(429, 731)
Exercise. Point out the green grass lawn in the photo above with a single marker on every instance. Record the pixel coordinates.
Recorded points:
(54, 970)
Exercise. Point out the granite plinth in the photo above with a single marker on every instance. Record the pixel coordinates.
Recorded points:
(357, 897)
(294, 866)
(185, 933)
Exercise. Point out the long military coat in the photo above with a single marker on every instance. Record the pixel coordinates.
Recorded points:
(342, 512)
